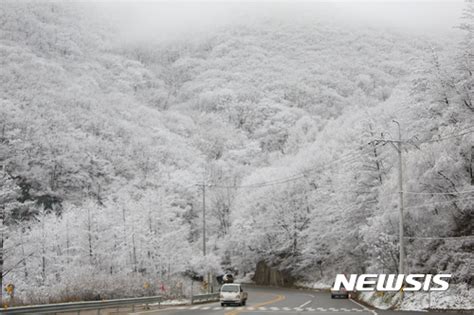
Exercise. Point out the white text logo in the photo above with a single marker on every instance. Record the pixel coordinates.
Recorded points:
(392, 282)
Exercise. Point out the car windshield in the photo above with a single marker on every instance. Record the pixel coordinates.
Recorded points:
(230, 288)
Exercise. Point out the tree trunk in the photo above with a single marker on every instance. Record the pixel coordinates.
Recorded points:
(89, 232)
(25, 269)
(43, 248)
(134, 253)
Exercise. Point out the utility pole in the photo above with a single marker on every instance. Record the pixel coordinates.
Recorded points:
(204, 232)
(204, 219)
(399, 148)
(401, 262)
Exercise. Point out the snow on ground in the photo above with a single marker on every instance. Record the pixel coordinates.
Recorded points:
(458, 297)
(175, 302)
(381, 300)
(172, 302)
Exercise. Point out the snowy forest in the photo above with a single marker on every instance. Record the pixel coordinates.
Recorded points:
(290, 130)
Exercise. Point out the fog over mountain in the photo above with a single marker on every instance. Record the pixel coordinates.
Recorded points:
(149, 20)
(122, 123)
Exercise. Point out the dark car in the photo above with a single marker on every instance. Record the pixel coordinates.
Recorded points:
(341, 293)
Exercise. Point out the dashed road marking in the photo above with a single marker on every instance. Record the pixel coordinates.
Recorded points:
(304, 304)
(277, 298)
(364, 307)
(272, 308)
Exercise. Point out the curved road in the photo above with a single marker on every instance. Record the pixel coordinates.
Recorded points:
(265, 301)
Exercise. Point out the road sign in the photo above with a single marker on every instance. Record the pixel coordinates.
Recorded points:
(10, 289)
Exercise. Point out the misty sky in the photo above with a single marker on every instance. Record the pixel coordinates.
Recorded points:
(145, 20)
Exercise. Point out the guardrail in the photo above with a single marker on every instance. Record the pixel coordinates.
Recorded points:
(81, 306)
(201, 298)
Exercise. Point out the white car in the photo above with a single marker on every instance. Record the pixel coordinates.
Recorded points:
(232, 293)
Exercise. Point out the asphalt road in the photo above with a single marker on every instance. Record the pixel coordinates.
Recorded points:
(265, 301)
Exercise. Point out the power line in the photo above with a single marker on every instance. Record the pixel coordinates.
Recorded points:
(439, 193)
(308, 193)
(440, 238)
(456, 134)
(348, 157)
(385, 196)
(440, 202)
(352, 156)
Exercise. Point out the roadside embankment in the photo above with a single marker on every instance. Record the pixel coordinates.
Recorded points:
(457, 298)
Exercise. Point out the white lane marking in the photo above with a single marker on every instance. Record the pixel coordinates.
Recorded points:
(310, 295)
(304, 304)
(274, 308)
(364, 307)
